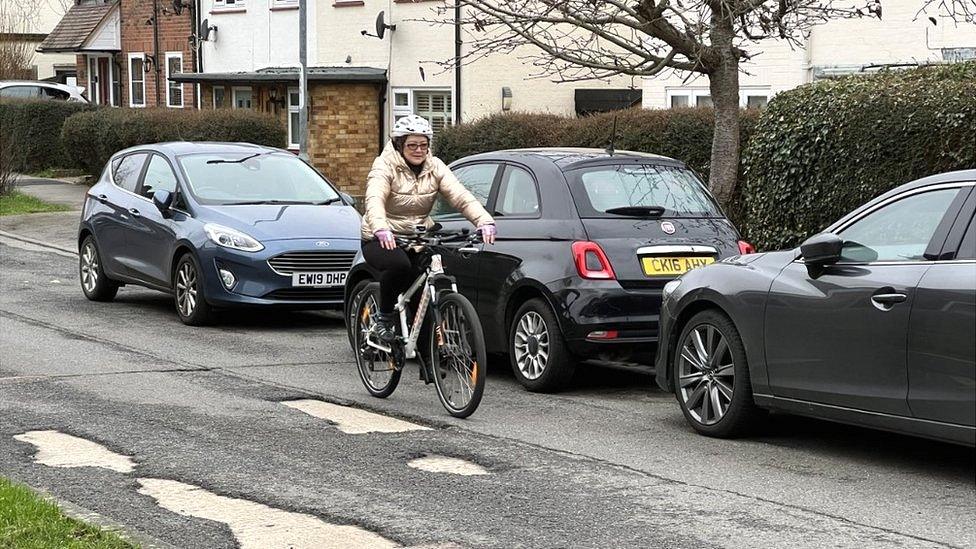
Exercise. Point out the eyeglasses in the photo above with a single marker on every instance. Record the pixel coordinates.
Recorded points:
(417, 146)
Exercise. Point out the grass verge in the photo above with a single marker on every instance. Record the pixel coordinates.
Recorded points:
(20, 203)
(28, 521)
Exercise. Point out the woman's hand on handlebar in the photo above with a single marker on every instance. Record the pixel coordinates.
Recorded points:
(487, 231)
(385, 237)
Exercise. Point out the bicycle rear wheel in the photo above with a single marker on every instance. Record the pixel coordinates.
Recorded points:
(377, 369)
(457, 352)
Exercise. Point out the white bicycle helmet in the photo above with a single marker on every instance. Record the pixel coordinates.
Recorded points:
(412, 125)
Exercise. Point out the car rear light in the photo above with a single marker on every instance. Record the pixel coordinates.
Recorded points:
(603, 334)
(591, 262)
(746, 248)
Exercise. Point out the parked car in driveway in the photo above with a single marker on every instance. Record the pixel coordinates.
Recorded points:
(586, 241)
(29, 89)
(872, 322)
(217, 225)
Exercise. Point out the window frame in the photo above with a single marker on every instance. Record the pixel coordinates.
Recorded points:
(501, 185)
(397, 111)
(141, 56)
(233, 96)
(229, 5)
(145, 172)
(213, 97)
(142, 171)
(492, 188)
(939, 235)
(169, 84)
(293, 109)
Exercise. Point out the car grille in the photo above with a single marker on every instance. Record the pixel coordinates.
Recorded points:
(307, 294)
(311, 262)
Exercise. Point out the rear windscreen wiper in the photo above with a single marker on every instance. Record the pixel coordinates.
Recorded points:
(637, 211)
(238, 161)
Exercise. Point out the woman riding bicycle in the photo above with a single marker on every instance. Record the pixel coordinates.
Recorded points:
(400, 191)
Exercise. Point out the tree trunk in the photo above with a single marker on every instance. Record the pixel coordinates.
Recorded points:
(723, 82)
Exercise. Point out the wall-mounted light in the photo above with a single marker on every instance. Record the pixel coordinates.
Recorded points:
(506, 98)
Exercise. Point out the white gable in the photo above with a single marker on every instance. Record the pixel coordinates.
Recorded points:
(107, 36)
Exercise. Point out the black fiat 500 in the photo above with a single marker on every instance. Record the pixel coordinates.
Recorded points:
(586, 242)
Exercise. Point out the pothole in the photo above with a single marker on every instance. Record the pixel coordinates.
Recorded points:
(257, 526)
(353, 421)
(450, 465)
(56, 449)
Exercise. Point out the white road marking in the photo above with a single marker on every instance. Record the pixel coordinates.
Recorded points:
(444, 464)
(56, 449)
(257, 526)
(353, 421)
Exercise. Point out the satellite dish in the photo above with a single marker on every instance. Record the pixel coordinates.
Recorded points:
(381, 25)
(204, 31)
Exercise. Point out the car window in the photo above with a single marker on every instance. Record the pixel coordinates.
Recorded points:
(20, 92)
(254, 178)
(477, 178)
(518, 195)
(125, 171)
(159, 177)
(677, 190)
(900, 231)
(54, 93)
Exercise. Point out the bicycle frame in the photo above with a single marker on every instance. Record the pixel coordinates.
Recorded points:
(426, 281)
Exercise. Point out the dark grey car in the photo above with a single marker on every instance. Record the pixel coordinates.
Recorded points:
(872, 322)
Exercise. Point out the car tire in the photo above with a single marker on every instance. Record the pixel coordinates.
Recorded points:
(704, 377)
(188, 293)
(94, 282)
(537, 351)
(355, 298)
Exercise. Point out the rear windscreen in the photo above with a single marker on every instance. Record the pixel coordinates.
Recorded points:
(675, 189)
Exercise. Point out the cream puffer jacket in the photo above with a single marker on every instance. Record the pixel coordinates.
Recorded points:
(398, 200)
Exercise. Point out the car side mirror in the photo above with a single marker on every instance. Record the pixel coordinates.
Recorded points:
(163, 200)
(821, 250)
(348, 199)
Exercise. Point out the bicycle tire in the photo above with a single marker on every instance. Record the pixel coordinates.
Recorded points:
(458, 329)
(366, 304)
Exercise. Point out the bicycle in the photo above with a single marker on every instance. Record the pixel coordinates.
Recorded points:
(456, 343)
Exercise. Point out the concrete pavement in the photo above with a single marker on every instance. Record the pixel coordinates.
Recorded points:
(56, 191)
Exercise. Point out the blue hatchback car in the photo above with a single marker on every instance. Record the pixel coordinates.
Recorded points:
(217, 225)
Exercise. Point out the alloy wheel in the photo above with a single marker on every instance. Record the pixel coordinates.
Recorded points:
(89, 268)
(532, 345)
(706, 374)
(186, 289)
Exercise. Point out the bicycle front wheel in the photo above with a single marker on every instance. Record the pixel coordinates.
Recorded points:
(457, 352)
(377, 369)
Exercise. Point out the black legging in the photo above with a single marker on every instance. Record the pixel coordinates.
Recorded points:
(396, 271)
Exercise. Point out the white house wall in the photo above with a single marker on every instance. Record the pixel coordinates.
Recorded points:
(107, 36)
(845, 45)
(251, 38)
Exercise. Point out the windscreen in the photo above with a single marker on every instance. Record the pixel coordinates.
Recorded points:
(254, 178)
(677, 190)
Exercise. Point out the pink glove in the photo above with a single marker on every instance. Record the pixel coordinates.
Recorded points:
(488, 231)
(385, 237)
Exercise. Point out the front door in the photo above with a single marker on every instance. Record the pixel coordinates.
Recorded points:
(842, 338)
(104, 82)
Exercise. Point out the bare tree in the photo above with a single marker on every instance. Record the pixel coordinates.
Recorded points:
(573, 40)
(963, 11)
(16, 51)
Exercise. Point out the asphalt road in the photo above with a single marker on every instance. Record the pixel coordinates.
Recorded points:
(608, 463)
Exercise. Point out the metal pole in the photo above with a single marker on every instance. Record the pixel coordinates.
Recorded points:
(302, 81)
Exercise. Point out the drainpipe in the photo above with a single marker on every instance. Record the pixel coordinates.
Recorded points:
(156, 59)
(197, 48)
(457, 62)
(382, 110)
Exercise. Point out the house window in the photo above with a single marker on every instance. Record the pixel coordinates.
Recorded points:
(294, 127)
(174, 90)
(218, 97)
(434, 105)
(228, 4)
(242, 98)
(284, 3)
(137, 80)
(753, 98)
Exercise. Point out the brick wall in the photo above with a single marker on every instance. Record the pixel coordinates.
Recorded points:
(344, 127)
(137, 37)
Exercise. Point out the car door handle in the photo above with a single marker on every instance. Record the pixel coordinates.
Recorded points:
(102, 198)
(135, 212)
(888, 299)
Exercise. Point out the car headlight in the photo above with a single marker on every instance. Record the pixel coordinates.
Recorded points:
(670, 287)
(229, 238)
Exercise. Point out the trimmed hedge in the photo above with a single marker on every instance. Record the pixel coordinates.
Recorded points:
(34, 128)
(684, 134)
(93, 137)
(822, 149)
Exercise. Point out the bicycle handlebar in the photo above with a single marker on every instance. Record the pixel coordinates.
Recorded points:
(437, 236)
